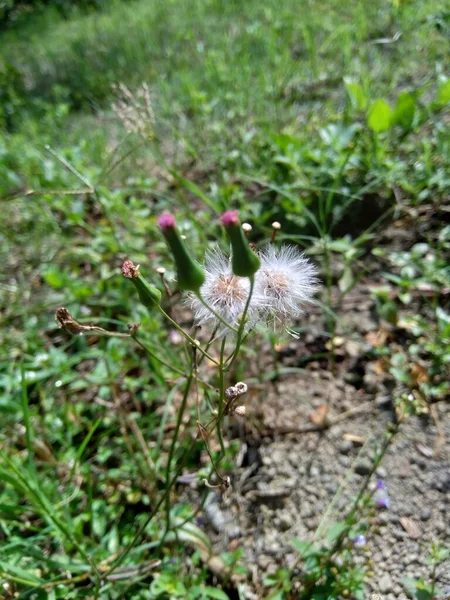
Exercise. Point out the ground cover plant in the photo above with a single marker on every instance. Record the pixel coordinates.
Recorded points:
(151, 447)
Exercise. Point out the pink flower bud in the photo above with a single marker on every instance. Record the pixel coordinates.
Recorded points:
(166, 221)
(244, 262)
(129, 269)
(230, 217)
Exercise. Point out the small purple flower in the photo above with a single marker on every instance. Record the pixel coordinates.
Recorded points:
(381, 496)
(359, 540)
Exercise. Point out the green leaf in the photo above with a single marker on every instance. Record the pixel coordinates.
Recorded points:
(305, 549)
(210, 592)
(19, 573)
(443, 95)
(380, 116)
(356, 94)
(335, 531)
(194, 189)
(405, 111)
(346, 280)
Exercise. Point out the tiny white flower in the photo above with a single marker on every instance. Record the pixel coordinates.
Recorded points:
(286, 281)
(226, 293)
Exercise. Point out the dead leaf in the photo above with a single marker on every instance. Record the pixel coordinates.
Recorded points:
(410, 527)
(425, 450)
(380, 366)
(377, 338)
(418, 373)
(320, 415)
(356, 439)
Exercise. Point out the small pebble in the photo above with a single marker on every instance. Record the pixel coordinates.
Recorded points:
(363, 467)
(425, 514)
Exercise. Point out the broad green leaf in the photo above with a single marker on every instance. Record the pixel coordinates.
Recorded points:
(210, 592)
(356, 94)
(380, 115)
(335, 531)
(405, 111)
(443, 96)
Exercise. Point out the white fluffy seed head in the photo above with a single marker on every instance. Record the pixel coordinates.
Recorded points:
(226, 293)
(284, 284)
(286, 281)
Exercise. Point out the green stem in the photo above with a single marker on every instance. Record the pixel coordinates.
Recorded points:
(173, 444)
(119, 560)
(221, 397)
(363, 489)
(187, 336)
(230, 360)
(156, 357)
(221, 319)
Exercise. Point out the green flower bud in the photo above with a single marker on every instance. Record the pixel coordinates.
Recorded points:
(190, 275)
(149, 295)
(244, 262)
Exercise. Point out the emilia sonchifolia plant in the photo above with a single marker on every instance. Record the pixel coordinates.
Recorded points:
(229, 295)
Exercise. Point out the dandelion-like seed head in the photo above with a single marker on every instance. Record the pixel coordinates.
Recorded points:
(286, 281)
(225, 292)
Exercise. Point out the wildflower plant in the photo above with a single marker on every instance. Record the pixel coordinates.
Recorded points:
(229, 295)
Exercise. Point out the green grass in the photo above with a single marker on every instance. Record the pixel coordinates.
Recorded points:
(266, 107)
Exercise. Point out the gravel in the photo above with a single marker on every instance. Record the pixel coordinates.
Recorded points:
(311, 468)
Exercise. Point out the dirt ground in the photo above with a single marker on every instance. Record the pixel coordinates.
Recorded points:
(288, 483)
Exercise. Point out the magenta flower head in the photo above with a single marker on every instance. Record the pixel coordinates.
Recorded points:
(230, 217)
(380, 495)
(149, 295)
(166, 221)
(190, 275)
(244, 262)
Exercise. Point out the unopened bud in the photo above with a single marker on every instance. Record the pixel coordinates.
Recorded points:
(160, 270)
(241, 387)
(190, 275)
(149, 295)
(246, 227)
(240, 411)
(276, 226)
(244, 262)
(231, 392)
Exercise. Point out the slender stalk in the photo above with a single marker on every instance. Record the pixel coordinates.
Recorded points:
(221, 397)
(363, 489)
(240, 336)
(221, 319)
(173, 444)
(156, 357)
(187, 336)
(119, 560)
